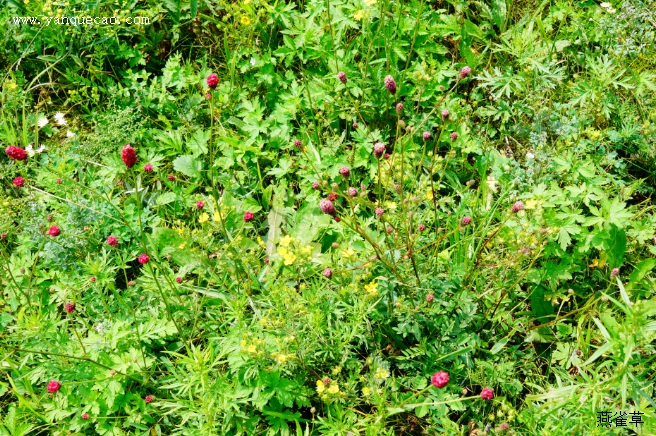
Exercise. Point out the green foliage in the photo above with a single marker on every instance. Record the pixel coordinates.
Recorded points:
(258, 312)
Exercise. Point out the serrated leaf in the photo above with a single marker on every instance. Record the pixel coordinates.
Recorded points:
(188, 165)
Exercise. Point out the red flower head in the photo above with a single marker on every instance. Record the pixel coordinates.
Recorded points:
(337, 219)
(200, 205)
(298, 144)
(149, 398)
(390, 84)
(379, 150)
(389, 230)
(422, 227)
(315, 185)
(54, 231)
(54, 386)
(399, 107)
(178, 279)
(92, 280)
(445, 114)
(429, 298)
(59, 181)
(487, 394)
(19, 181)
(517, 207)
(171, 177)
(332, 196)
(465, 72)
(504, 426)
(129, 156)
(341, 76)
(85, 416)
(454, 136)
(426, 135)
(380, 211)
(355, 126)
(16, 153)
(327, 206)
(143, 259)
(148, 167)
(248, 216)
(3, 236)
(212, 80)
(614, 272)
(69, 307)
(344, 171)
(440, 379)
(465, 221)
(112, 241)
(352, 191)
(327, 273)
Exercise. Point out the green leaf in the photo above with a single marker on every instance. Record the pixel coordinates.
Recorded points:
(640, 272)
(194, 8)
(616, 247)
(188, 165)
(198, 142)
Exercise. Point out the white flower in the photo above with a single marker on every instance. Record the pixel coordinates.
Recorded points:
(253, 61)
(30, 150)
(70, 134)
(530, 155)
(605, 5)
(41, 149)
(42, 122)
(59, 118)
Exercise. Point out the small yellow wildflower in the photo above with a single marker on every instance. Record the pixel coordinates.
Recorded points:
(359, 15)
(348, 253)
(182, 246)
(252, 349)
(369, 2)
(320, 386)
(306, 249)
(366, 391)
(333, 389)
(216, 217)
(531, 204)
(286, 241)
(381, 373)
(245, 20)
(372, 287)
(390, 205)
(203, 218)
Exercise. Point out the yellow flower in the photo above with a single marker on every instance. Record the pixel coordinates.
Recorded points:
(366, 391)
(371, 288)
(348, 253)
(390, 205)
(333, 389)
(381, 373)
(289, 259)
(10, 85)
(182, 246)
(320, 386)
(216, 217)
(370, 2)
(306, 249)
(286, 241)
(359, 15)
(530, 204)
(203, 218)
(245, 20)
(252, 349)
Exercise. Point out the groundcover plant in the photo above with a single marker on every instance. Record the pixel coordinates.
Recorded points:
(327, 217)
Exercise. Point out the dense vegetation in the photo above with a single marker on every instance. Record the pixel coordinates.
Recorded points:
(329, 217)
